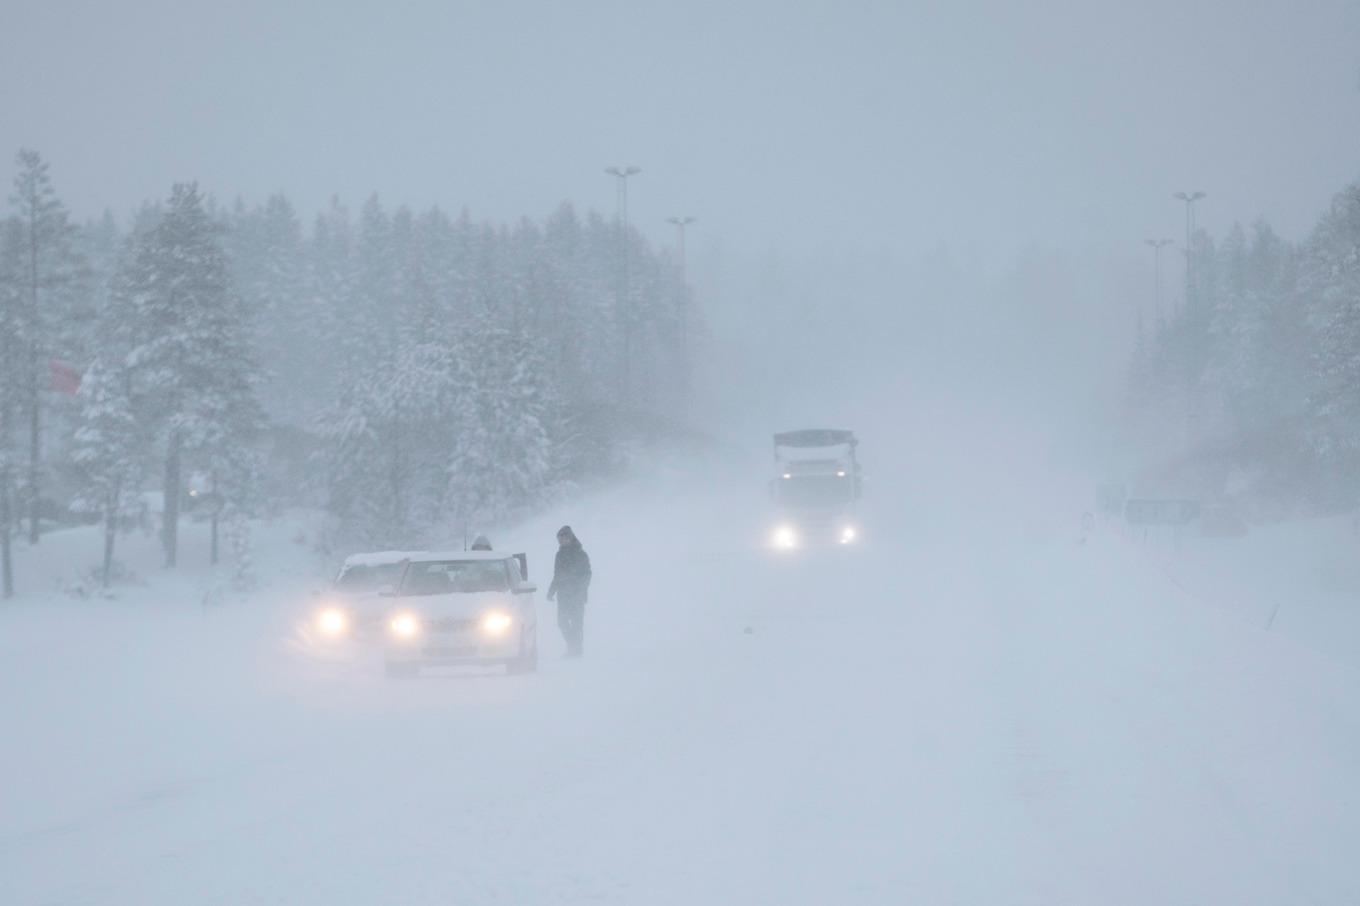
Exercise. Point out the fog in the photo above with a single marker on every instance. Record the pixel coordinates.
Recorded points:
(788, 127)
(296, 298)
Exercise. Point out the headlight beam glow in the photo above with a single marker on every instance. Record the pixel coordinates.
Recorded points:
(496, 622)
(333, 622)
(404, 626)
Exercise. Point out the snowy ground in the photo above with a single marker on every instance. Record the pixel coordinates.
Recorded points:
(955, 714)
(1301, 579)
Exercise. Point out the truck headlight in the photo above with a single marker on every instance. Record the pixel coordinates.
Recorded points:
(784, 538)
(496, 622)
(849, 534)
(404, 626)
(333, 622)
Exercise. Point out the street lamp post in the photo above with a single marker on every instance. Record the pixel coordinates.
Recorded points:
(681, 222)
(621, 174)
(1157, 246)
(1189, 198)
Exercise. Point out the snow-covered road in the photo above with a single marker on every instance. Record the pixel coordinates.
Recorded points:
(952, 717)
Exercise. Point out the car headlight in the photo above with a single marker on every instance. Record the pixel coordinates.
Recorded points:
(849, 534)
(404, 626)
(785, 538)
(496, 622)
(333, 622)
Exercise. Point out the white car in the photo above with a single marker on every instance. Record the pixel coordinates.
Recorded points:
(463, 608)
(353, 607)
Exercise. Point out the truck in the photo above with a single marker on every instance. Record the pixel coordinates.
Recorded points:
(815, 489)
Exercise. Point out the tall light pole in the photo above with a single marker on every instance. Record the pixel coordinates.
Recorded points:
(1157, 246)
(1189, 198)
(681, 222)
(621, 174)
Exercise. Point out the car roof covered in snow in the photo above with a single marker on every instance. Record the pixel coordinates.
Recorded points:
(379, 558)
(442, 556)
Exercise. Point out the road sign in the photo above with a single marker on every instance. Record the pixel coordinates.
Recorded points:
(1160, 512)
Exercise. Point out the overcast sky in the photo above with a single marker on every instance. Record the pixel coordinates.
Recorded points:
(782, 125)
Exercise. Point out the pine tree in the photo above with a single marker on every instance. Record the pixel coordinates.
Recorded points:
(109, 450)
(370, 319)
(191, 360)
(268, 267)
(502, 460)
(50, 273)
(386, 442)
(11, 301)
(1330, 282)
(330, 280)
(1234, 327)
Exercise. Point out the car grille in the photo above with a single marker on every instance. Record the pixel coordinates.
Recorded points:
(451, 624)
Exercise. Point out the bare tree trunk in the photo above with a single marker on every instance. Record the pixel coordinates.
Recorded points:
(6, 521)
(110, 533)
(216, 514)
(170, 519)
(34, 398)
(34, 451)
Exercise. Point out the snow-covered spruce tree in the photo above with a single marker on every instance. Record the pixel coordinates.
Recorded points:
(1254, 331)
(1280, 390)
(109, 450)
(190, 357)
(269, 270)
(1234, 329)
(502, 460)
(329, 285)
(11, 390)
(100, 243)
(1330, 284)
(368, 315)
(49, 276)
(386, 444)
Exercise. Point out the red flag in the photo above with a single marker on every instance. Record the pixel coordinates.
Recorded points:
(65, 377)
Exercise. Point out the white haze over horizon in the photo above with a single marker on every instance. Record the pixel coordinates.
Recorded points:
(871, 127)
(873, 182)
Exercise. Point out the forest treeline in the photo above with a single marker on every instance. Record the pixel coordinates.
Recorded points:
(1252, 384)
(412, 372)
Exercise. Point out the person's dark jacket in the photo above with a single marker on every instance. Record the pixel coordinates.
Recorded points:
(571, 574)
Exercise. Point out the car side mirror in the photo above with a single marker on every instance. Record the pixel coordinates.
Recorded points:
(525, 588)
(387, 591)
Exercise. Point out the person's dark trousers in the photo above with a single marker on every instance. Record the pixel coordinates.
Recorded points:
(571, 619)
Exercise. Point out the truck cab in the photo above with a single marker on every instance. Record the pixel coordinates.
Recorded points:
(816, 488)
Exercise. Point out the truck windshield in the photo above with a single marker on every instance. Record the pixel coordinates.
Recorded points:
(815, 491)
(365, 577)
(455, 577)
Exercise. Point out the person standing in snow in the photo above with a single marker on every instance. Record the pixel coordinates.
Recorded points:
(570, 586)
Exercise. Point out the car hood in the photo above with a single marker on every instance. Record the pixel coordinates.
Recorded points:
(453, 605)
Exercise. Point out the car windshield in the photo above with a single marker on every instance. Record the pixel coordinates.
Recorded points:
(816, 491)
(455, 576)
(364, 577)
